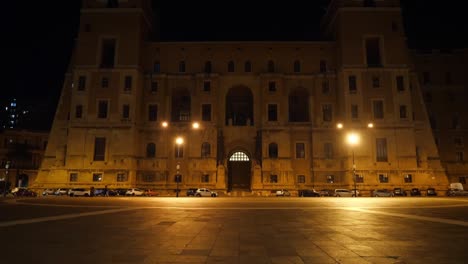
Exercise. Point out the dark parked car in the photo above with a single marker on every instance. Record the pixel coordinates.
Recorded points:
(431, 192)
(25, 193)
(120, 192)
(327, 192)
(192, 191)
(309, 193)
(399, 192)
(382, 193)
(415, 192)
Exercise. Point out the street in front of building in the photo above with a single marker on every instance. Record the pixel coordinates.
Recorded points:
(234, 230)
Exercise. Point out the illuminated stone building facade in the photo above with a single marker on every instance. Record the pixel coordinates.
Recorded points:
(266, 111)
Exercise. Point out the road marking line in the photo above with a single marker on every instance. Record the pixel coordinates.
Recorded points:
(416, 217)
(61, 217)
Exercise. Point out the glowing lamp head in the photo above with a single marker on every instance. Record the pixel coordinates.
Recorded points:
(179, 141)
(164, 124)
(195, 125)
(339, 125)
(352, 139)
(370, 125)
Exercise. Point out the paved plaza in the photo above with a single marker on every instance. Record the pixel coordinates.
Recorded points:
(234, 230)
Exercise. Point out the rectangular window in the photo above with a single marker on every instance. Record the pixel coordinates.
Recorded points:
(381, 149)
(157, 67)
(99, 149)
(126, 111)
(352, 84)
(300, 151)
(108, 53)
(325, 87)
(97, 177)
(354, 111)
(79, 111)
(373, 52)
(179, 151)
(383, 178)
(152, 112)
(73, 177)
(408, 178)
(181, 66)
(81, 83)
(273, 178)
(122, 177)
(458, 141)
(375, 82)
(205, 178)
(272, 86)
(327, 112)
(359, 178)
(459, 156)
(272, 112)
(328, 150)
(154, 87)
(148, 177)
(206, 112)
(206, 86)
(104, 82)
(377, 107)
(403, 114)
(330, 178)
(400, 83)
(102, 108)
(128, 83)
(300, 178)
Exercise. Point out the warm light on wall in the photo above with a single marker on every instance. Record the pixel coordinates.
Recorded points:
(352, 139)
(179, 141)
(195, 125)
(164, 124)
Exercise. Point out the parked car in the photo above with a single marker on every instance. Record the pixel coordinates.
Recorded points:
(79, 192)
(431, 192)
(343, 193)
(48, 192)
(399, 192)
(415, 192)
(61, 191)
(326, 192)
(382, 193)
(23, 192)
(204, 192)
(135, 192)
(150, 192)
(308, 193)
(456, 192)
(282, 193)
(192, 191)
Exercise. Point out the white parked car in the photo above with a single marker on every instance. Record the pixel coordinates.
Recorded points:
(283, 193)
(61, 191)
(79, 192)
(204, 192)
(135, 192)
(48, 192)
(343, 193)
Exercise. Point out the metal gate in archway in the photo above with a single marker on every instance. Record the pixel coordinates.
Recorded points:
(239, 171)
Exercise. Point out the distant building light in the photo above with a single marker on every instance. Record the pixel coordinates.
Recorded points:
(6, 108)
(13, 104)
(25, 112)
(12, 116)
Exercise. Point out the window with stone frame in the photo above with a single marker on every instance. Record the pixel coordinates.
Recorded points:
(152, 112)
(273, 150)
(383, 178)
(156, 67)
(81, 83)
(381, 149)
(150, 150)
(327, 113)
(154, 87)
(78, 111)
(408, 178)
(122, 177)
(205, 150)
(359, 178)
(271, 66)
(248, 66)
(206, 112)
(297, 66)
(97, 177)
(352, 84)
(300, 178)
(103, 108)
(378, 109)
(205, 178)
(375, 82)
(271, 86)
(272, 112)
(400, 83)
(300, 150)
(323, 66)
(181, 66)
(207, 86)
(99, 149)
(148, 177)
(126, 111)
(403, 112)
(354, 111)
(207, 67)
(273, 178)
(73, 177)
(128, 83)
(325, 87)
(459, 156)
(231, 66)
(104, 82)
(328, 150)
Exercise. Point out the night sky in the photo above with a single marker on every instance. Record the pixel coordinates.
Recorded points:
(39, 34)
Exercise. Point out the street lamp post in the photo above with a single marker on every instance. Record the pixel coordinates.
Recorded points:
(178, 177)
(7, 166)
(353, 139)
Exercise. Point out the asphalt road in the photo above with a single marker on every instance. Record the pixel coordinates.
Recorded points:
(234, 230)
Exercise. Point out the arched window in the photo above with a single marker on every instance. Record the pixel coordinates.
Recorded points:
(273, 150)
(231, 66)
(208, 67)
(248, 66)
(271, 66)
(297, 66)
(205, 150)
(150, 150)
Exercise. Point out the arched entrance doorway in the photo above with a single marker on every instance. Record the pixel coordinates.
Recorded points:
(239, 171)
